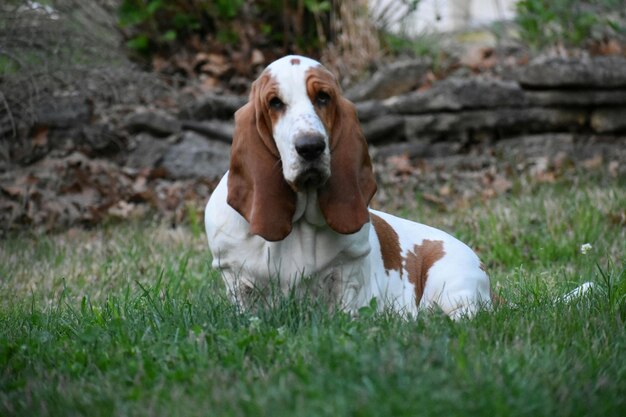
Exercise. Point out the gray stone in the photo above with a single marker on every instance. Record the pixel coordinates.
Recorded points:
(213, 129)
(387, 128)
(602, 72)
(196, 157)
(529, 119)
(417, 149)
(578, 97)
(459, 94)
(212, 106)
(527, 147)
(609, 120)
(147, 151)
(155, 123)
(566, 147)
(396, 78)
(100, 138)
(64, 111)
(370, 109)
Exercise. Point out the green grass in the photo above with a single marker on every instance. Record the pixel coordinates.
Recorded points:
(130, 319)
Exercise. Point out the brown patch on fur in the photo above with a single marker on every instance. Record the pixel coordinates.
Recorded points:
(295, 61)
(256, 187)
(318, 79)
(482, 267)
(389, 244)
(264, 89)
(347, 193)
(419, 261)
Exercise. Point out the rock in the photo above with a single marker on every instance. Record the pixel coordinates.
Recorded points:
(367, 110)
(196, 157)
(601, 72)
(213, 129)
(147, 151)
(63, 111)
(459, 94)
(560, 148)
(9, 126)
(529, 119)
(411, 150)
(578, 97)
(530, 147)
(609, 120)
(213, 106)
(155, 123)
(100, 138)
(396, 78)
(387, 128)
(417, 149)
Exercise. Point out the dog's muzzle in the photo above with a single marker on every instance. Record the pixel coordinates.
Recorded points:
(310, 148)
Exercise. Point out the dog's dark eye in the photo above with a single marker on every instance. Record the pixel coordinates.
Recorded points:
(277, 104)
(322, 98)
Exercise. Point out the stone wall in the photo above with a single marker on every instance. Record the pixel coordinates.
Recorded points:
(459, 139)
(584, 97)
(581, 97)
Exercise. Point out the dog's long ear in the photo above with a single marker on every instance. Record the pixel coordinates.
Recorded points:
(345, 197)
(256, 186)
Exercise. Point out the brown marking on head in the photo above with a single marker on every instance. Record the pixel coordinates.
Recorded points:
(419, 261)
(389, 244)
(295, 61)
(347, 193)
(256, 186)
(482, 267)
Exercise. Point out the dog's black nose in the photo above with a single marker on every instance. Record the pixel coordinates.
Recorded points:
(310, 146)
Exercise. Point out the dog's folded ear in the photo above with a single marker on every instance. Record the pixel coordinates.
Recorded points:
(256, 187)
(344, 199)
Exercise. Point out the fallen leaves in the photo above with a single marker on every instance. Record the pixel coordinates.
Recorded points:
(454, 181)
(57, 193)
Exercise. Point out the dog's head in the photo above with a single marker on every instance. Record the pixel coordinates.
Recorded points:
(298, 133)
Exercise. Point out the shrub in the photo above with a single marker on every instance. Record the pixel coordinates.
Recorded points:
(545, 23)
(157, 26)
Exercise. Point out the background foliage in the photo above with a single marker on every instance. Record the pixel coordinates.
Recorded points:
(157, 26)
(568, 23)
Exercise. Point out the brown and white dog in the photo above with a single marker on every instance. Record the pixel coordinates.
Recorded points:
(295, 204)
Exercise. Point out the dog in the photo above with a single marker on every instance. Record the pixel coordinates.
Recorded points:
(294, 204)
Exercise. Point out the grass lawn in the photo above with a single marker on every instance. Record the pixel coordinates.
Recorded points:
(129, 319)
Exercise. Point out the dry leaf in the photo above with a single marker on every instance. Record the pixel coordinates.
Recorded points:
(40, 138)
(14, 191)
(593, 163)
(501, 184)
(257, 57)
(434, 199)
(548, 177)
(488, 193)
(122, 210)
(618, 218)
(400, 164)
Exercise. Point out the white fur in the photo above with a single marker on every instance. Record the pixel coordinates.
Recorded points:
(456, 283)
(299, 117)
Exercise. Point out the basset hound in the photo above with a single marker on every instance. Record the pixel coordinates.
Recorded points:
(294, 207)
